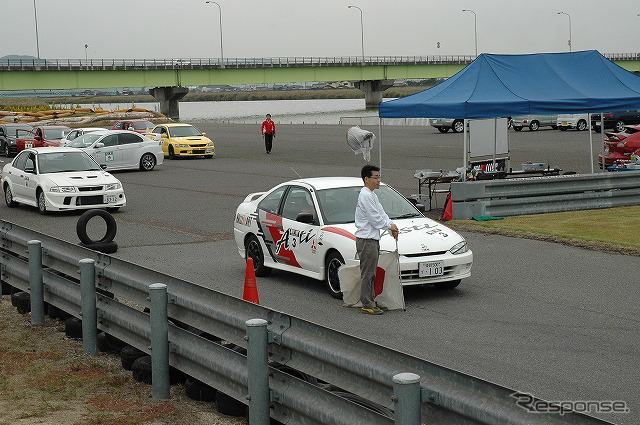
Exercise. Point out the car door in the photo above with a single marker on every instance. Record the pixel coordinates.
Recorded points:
(129, 149)
(15, 175)
(270, 227)
(23, 187)
(300, 227)
(107, 154)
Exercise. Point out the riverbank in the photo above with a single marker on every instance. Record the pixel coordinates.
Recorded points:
(40, 103)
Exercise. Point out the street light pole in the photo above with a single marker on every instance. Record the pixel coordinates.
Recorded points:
(475, 27)
(35, 16)
(86, 46)
(361, 30)
(563, 13)
(220, 14)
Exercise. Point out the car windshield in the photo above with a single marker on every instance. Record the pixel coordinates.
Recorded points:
(338, 205)
(60, 162)
(55, 133)
(84, 141)
(13, 131)
(142, 125)
(184, 131)
(24, 134)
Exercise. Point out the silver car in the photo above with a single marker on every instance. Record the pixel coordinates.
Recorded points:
(445, 124)
(534, 122)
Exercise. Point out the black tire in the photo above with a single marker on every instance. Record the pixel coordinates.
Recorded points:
(443, 129)
(8, 197)
(22, 302)
(4, 150)
(41, 200)
(517, 128)
(147, 162)
(14, 297)
(228, 405)
(197, 390)
(73, 328)
(581, 125)
(534, 126)
(105, 248)
(81, 227)
(597, 129)
(141, 369)
(563, 128)
(448, 285)
(57, 313)
(332, 263)
(109, 344)
(172, 154)
(457, 126)
(619, 126)
(253, 250)
(130, 354)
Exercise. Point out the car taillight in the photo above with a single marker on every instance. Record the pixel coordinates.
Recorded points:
(608, 115)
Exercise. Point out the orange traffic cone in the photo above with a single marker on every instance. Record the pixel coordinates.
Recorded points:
(447, 214)
(250, 289)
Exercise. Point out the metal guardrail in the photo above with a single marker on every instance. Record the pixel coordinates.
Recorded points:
(198, 63)
(378, 374)
(536, 195)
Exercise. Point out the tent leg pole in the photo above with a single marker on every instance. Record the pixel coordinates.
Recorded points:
(495, 142)
(380, 150)
(464, 154)
(590, 142)
(604, 168)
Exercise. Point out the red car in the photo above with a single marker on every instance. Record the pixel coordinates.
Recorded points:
(139, 126)
(620, 146)
(44, 135)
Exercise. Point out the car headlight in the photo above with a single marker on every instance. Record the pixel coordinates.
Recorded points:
(459, 248)
(112, 186)
(210, 144)
(63, 189)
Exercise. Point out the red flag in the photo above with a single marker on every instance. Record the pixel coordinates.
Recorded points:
(378, 284)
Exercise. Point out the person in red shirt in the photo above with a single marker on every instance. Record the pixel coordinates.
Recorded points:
(268, 132)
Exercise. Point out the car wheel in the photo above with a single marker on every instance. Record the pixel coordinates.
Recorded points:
(333, 263)
(517, 128)
(534, 126)
(443, 129)
(448, 285)
(619, 126)
(253, 250)
(147, 162)
(457, 126)
(42, 202)
(172, 154)
(581, 126)
(8, 197)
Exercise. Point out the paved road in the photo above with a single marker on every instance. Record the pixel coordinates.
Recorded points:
(557, 321)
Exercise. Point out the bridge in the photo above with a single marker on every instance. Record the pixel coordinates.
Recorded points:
(169, 78)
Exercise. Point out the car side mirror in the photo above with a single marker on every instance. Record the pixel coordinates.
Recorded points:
(30, 170)
(99, 145)
(204, 134)
(306, 218)
(103, 166)
(164, 135)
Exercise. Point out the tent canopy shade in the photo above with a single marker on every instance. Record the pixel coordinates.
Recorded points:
(507, 85)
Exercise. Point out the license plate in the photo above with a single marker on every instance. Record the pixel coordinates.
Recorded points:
(110, 199)
(432, 268)
(28, 145)
(565, 124)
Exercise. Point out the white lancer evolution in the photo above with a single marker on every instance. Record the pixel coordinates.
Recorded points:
(307, 227)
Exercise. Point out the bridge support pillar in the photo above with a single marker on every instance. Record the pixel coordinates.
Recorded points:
(373, 91)
(168, 98)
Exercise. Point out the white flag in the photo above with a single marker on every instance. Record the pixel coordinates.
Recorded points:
(361, 141)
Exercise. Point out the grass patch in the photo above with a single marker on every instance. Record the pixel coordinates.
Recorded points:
(609, 229)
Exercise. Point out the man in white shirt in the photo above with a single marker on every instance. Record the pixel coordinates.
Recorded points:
(370, 218)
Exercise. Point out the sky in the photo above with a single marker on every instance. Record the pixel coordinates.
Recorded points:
(159, 29)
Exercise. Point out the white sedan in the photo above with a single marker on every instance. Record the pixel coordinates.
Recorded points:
(121, 149)
(307, 227)
(60, 179)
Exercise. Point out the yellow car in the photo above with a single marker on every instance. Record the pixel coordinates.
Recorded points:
(184, 140)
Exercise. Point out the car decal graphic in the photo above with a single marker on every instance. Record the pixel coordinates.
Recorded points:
(340, 232)
(273, 234)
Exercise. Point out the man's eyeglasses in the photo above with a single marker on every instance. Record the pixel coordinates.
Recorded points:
(375, 177)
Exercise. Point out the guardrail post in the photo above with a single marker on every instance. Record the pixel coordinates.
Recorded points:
(88, 303)
(36, 286)
(406, 395)
(159, 341)
(258, 368)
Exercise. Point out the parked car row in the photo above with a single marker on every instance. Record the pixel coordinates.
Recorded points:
(580, 122)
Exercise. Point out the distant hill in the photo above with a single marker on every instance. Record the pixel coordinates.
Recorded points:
(28, 57)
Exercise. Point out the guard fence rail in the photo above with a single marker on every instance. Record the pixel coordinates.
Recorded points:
(410, 389)
(537, 195)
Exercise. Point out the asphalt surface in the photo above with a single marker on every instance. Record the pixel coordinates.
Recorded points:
(559, 322)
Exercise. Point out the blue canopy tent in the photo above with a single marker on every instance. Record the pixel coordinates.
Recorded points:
(495, 86)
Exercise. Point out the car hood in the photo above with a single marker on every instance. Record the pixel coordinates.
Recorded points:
(192, 139)
(80, 178)
(417, 235)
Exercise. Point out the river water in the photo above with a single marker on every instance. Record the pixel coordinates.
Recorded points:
(311, 111)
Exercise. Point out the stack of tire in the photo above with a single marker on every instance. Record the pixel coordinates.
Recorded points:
(106, 245)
